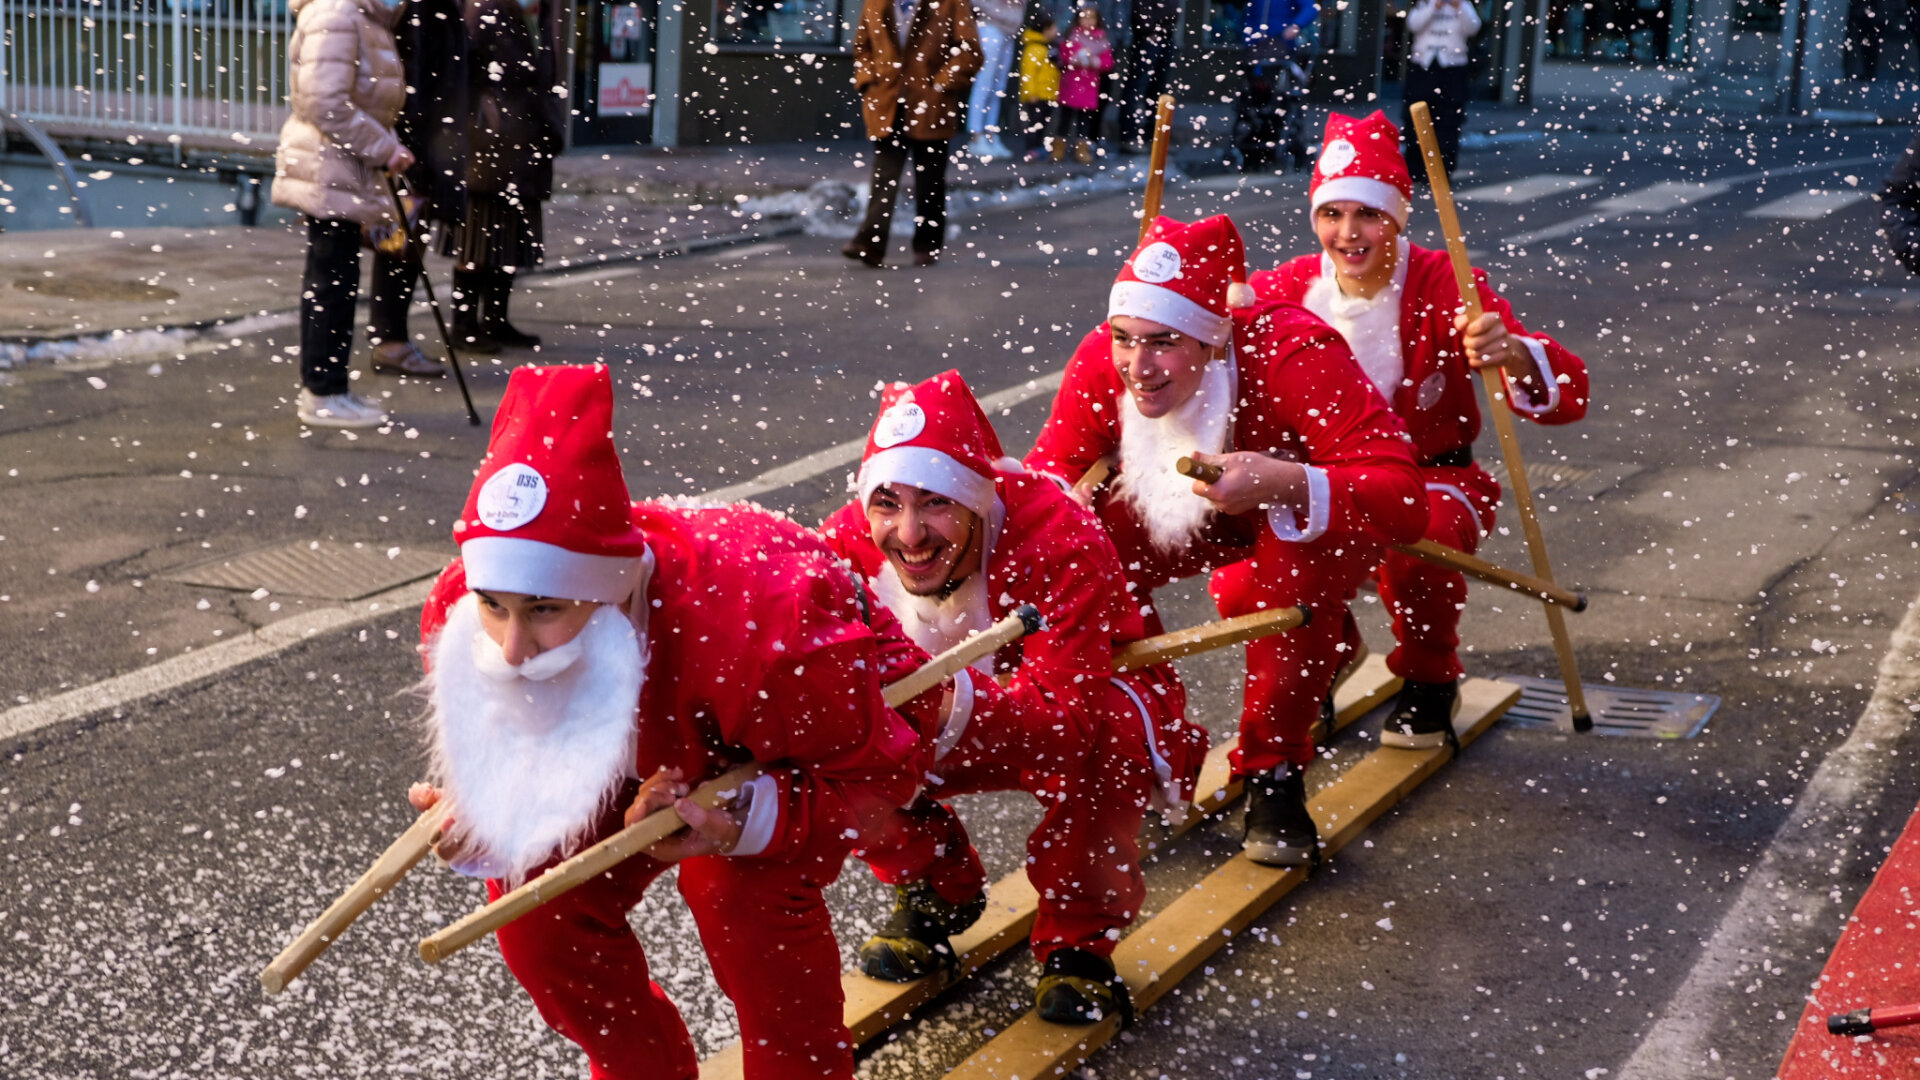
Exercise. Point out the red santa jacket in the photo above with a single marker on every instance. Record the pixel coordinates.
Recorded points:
(1437, 398)
(759, 648)
(1300, 395)
(1052, 554)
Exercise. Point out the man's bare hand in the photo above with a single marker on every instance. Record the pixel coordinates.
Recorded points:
(708, 832)
(448, 843)
(1081, 494)
(1250, 481)
(1490, 346)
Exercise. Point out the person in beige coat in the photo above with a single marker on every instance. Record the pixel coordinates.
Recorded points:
(347, 89)
(913, 63)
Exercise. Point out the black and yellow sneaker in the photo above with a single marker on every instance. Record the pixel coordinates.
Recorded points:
(1422, 717)
(1077, 987)
(913, 944)
(1280, 830)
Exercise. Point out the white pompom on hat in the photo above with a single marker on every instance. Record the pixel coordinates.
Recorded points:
(1360, 161)
(549, 514)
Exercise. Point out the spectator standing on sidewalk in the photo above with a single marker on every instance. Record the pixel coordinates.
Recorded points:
(998, 22)
(517, 126)
(913, 61)
(1086, 57)
(346, 87)
(431, 37)
(1039, 79)
(1150, 30)
(1437, 73)
(1900, 208)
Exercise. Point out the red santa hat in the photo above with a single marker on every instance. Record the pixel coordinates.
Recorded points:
(932, 435)
(549, 513)
(1360, 162)
(1187, 276)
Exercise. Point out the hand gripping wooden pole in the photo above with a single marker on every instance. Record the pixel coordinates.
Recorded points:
(1157, 164)
(1501, 410)
(656, 827)
(392, 865)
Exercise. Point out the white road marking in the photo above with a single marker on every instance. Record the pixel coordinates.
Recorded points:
(1809, 205)
(1790, 886)
(577, 277)
(1525, 189)
(273, 638)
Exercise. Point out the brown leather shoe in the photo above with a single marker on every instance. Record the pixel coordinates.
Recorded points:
(860, 254)
(926, 258)
(405, 358)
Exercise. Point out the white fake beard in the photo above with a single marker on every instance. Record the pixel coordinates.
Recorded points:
(531, 755)
(937, 623)
(1161, 498)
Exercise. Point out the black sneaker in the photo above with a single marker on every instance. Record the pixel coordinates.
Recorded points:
(1077, 987)
(1280, 831)
(913, 944)
(1422, 717)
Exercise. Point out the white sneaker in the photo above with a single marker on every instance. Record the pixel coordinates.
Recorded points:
(347, 410)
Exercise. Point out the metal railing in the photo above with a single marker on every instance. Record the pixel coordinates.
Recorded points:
(205, 74)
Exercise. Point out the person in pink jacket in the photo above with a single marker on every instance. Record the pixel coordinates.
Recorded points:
(1085, 58)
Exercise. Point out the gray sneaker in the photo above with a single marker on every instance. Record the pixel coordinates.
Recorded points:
(348, 410)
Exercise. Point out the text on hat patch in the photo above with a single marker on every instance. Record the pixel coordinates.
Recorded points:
(1157, 262)
(511, 497)
(899, 424)
(1336, 157)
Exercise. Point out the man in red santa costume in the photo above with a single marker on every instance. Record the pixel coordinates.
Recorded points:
(954, 535)
(1317, 478)
(582, 644)
(1399, 308)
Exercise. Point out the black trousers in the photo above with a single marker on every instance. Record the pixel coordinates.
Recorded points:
(328, 291)
(1444, 89)
(1152, 58)
(392, 287)
(929, 194)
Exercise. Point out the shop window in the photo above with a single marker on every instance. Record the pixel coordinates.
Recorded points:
(1619, 31)
(798, 24)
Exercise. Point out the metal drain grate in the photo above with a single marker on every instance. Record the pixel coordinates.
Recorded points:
(1642, 714)
(1548, 480)
(318, 568)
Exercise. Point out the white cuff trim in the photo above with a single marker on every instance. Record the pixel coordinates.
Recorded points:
(955, 724)
(1168, 789)
(762, 796)
(1285, 522)
(1518, 398)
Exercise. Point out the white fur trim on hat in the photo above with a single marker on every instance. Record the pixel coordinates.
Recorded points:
(1366, 191)
(1168, 308)
(929, 470)
(518, 565)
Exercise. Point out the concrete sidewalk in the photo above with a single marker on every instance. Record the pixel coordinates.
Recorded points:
(73, 284)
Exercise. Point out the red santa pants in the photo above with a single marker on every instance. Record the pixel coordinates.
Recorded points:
(1289, 674)
(767, 933)
(1083, 859)
(1425, 600)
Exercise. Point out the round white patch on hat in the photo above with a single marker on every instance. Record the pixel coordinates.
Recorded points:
(511, 497)
(1336, 157)
(1157, 262)
(899, 424)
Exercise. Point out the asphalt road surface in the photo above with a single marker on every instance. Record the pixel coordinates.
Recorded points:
(1741, 502)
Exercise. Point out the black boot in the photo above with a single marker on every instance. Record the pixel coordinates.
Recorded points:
(1280, 831)
(469, 294)
(913, 944)
(494, 319)
(1077, 987)
(1422, 717)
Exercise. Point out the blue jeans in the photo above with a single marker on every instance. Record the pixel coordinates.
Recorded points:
(989, 86)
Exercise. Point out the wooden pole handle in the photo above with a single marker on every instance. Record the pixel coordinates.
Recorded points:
(655, 827)
(1475, 567)
(1097, 474)
(1199, 470)
(1214, 635)
(386, 871)
(1157, 164)
(1501, 409)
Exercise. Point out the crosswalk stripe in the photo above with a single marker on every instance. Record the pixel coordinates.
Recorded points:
(1663, 197)
(1809, 205)
(1526, 189)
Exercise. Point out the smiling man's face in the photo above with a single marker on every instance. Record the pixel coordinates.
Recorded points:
(1161, 366)
(1360, 241)
(932, 542)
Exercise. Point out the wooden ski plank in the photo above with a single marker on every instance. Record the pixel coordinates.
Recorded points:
(1156, 957)
(874, 1005)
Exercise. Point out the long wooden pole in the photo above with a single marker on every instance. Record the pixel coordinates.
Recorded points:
(1207, 637)
(387, 870)
(1157, 164)
(657, 826)
(1502, 412)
